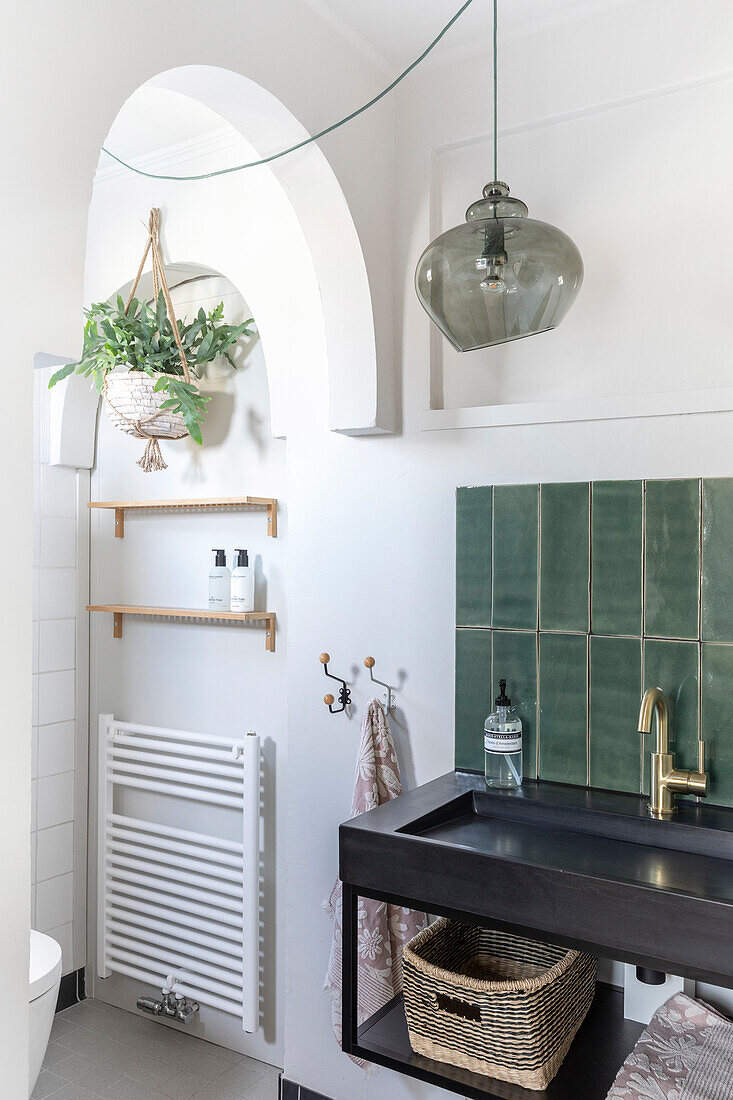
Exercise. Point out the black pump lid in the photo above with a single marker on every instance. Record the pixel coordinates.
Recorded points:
(221, 557)
(242, 558)
(502, 700)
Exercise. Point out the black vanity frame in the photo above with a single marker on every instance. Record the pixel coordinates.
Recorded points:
(671, 910)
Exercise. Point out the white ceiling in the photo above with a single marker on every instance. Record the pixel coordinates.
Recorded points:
(394, 32)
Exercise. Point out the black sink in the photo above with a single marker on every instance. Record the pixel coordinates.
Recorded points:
(584, 867)
(558, 834)
(696, 827)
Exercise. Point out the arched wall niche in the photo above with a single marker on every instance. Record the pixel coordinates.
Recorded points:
(282, 233)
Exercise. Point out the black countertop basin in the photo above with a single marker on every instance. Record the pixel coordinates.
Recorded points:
(583, 867)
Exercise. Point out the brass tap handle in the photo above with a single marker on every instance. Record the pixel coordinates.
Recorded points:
(699, 781)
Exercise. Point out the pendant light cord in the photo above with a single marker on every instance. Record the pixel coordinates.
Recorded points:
(328, 129)
(496, 87)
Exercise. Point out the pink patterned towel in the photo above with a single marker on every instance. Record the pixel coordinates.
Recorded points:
(684, 1053)
(382, 929)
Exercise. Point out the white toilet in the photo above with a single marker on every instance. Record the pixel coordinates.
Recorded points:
(43, 990)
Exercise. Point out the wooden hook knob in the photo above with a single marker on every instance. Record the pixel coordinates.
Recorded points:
(328, 700)
(369, 662)
(325, 658)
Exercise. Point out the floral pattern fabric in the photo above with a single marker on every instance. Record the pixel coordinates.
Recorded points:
(685, 1053)
(382, 929)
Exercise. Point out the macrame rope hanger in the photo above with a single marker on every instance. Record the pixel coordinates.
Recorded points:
(152, 459)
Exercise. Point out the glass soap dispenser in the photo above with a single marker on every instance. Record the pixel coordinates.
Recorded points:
(503, 744)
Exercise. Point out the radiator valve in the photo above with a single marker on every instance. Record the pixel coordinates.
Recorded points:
(171, 1005)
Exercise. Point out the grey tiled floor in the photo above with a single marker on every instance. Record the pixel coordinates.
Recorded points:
(98, 1051)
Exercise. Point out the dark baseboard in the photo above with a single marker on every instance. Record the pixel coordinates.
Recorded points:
(290, 1091)
(71, 990)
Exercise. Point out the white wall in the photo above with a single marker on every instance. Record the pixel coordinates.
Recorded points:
(64, 78)
(383, 581)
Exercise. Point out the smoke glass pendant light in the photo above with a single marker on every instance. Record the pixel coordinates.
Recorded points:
(501, 275)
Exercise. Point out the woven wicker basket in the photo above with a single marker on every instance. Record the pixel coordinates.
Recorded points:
(129, 398)
(495, 1003)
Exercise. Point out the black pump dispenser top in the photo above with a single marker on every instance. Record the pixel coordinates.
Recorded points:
(502, 700)
(220, 558)
(242, 558)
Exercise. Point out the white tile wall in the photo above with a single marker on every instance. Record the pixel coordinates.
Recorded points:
(56, 645)
(55, 697)
(54, 902)
(54, 656)
(56, 748)
(64, 936)
(54, 851)
(58, 542)
(58, 495)
(55, 800)
(34, 699)
(57, 593)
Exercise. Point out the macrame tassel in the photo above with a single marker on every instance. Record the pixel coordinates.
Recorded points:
(152, 459)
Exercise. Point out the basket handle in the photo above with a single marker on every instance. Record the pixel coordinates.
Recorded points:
(455, 1007)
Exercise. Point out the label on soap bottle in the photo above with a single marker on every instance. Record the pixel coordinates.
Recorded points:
(503, 742)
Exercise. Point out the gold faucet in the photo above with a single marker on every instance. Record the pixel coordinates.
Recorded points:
(665, 778)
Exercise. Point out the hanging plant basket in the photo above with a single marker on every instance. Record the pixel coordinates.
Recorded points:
(133, 406)
(142, 359)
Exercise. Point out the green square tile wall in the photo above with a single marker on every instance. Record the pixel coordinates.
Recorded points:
(583, 594)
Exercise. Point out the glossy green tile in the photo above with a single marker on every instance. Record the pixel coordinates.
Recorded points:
(717, 559)
(673, 666)
(564, 564)
(515, 556)
(473, 556)
(514, 659)
(615, 695)
(616, 553)
(672, 558)
(717, 720)
(473, 696)
(563, 710)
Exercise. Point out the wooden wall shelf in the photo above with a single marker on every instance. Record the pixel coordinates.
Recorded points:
(119, 507)
(200, 614)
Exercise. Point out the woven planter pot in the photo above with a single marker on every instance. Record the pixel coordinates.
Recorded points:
(129, 399)
(495, 1003)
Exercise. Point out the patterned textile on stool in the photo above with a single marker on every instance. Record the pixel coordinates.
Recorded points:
(684, 1053)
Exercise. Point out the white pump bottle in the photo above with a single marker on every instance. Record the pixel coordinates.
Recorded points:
(243, 583)
(220, 580)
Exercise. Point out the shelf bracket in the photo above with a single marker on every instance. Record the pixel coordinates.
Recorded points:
(272, 519)
(270, 632)
(117, 624)
(119, 523)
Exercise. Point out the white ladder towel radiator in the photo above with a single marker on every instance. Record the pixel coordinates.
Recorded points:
(178, 908)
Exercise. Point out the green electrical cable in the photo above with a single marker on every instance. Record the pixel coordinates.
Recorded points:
(315, 137)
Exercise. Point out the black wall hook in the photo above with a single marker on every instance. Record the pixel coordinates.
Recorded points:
(344, 690)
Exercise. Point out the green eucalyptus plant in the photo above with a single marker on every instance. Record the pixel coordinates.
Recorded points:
(141, 338)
